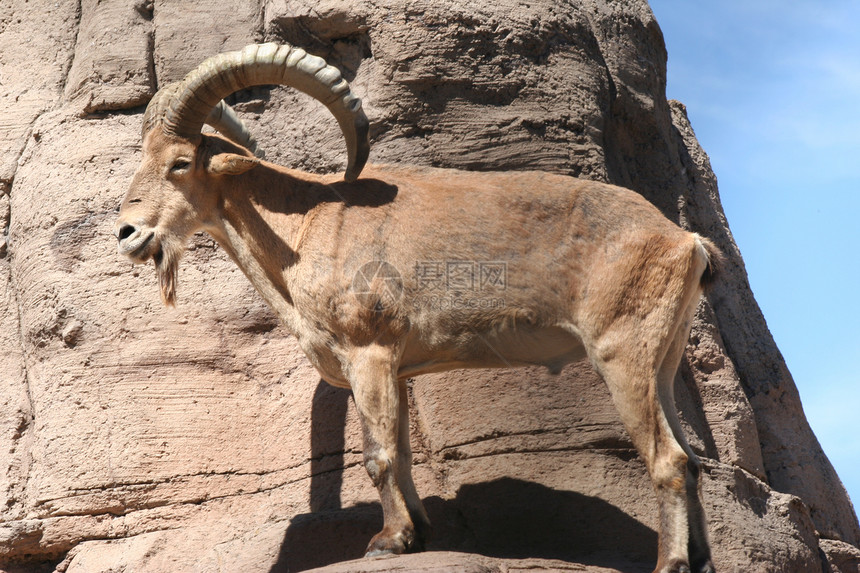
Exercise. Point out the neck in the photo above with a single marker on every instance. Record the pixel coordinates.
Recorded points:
(257, 228)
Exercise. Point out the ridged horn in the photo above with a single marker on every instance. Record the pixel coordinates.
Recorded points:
(222, 118)
(157, 107)
(192, 102)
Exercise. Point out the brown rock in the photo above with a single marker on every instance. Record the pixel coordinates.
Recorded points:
(112, 67)
(199, 439)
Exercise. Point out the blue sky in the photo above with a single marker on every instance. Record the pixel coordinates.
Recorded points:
(772, 89)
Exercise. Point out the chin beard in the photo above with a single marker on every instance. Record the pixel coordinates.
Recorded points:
(167, 269)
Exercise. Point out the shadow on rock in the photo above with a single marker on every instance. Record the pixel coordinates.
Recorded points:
(505, 518)
(328, 413)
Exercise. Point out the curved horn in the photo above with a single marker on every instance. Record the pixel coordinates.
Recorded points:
(193, 100)
(225, 121)
(222, 118)
(157, 107)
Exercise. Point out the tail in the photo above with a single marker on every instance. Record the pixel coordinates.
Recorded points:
(715, 261)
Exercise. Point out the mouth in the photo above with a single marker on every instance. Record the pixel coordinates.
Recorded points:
(137, 247)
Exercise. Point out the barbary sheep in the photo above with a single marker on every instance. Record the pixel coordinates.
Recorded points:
(409, 270)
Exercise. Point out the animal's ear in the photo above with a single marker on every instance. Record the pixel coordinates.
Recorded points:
(231, 164)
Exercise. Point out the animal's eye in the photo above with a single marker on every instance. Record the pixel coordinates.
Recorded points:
(180, 166)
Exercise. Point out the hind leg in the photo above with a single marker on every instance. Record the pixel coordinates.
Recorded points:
(641, 383)
(636, 398)
(635, 333)
(698, 548)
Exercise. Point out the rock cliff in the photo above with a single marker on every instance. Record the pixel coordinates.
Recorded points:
(137, 438)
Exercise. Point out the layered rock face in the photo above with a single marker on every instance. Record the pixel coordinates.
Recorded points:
(138, 438)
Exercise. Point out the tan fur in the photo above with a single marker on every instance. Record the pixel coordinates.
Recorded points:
(412, 270)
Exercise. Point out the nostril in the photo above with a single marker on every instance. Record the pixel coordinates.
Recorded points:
(125, 232)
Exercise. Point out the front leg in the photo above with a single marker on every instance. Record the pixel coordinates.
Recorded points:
(372, 375)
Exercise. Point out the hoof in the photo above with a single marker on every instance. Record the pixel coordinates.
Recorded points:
(676, 566)
(378, 552)
(702, 563)
(384, 543)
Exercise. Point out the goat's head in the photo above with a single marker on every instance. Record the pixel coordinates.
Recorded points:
(169, 198)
